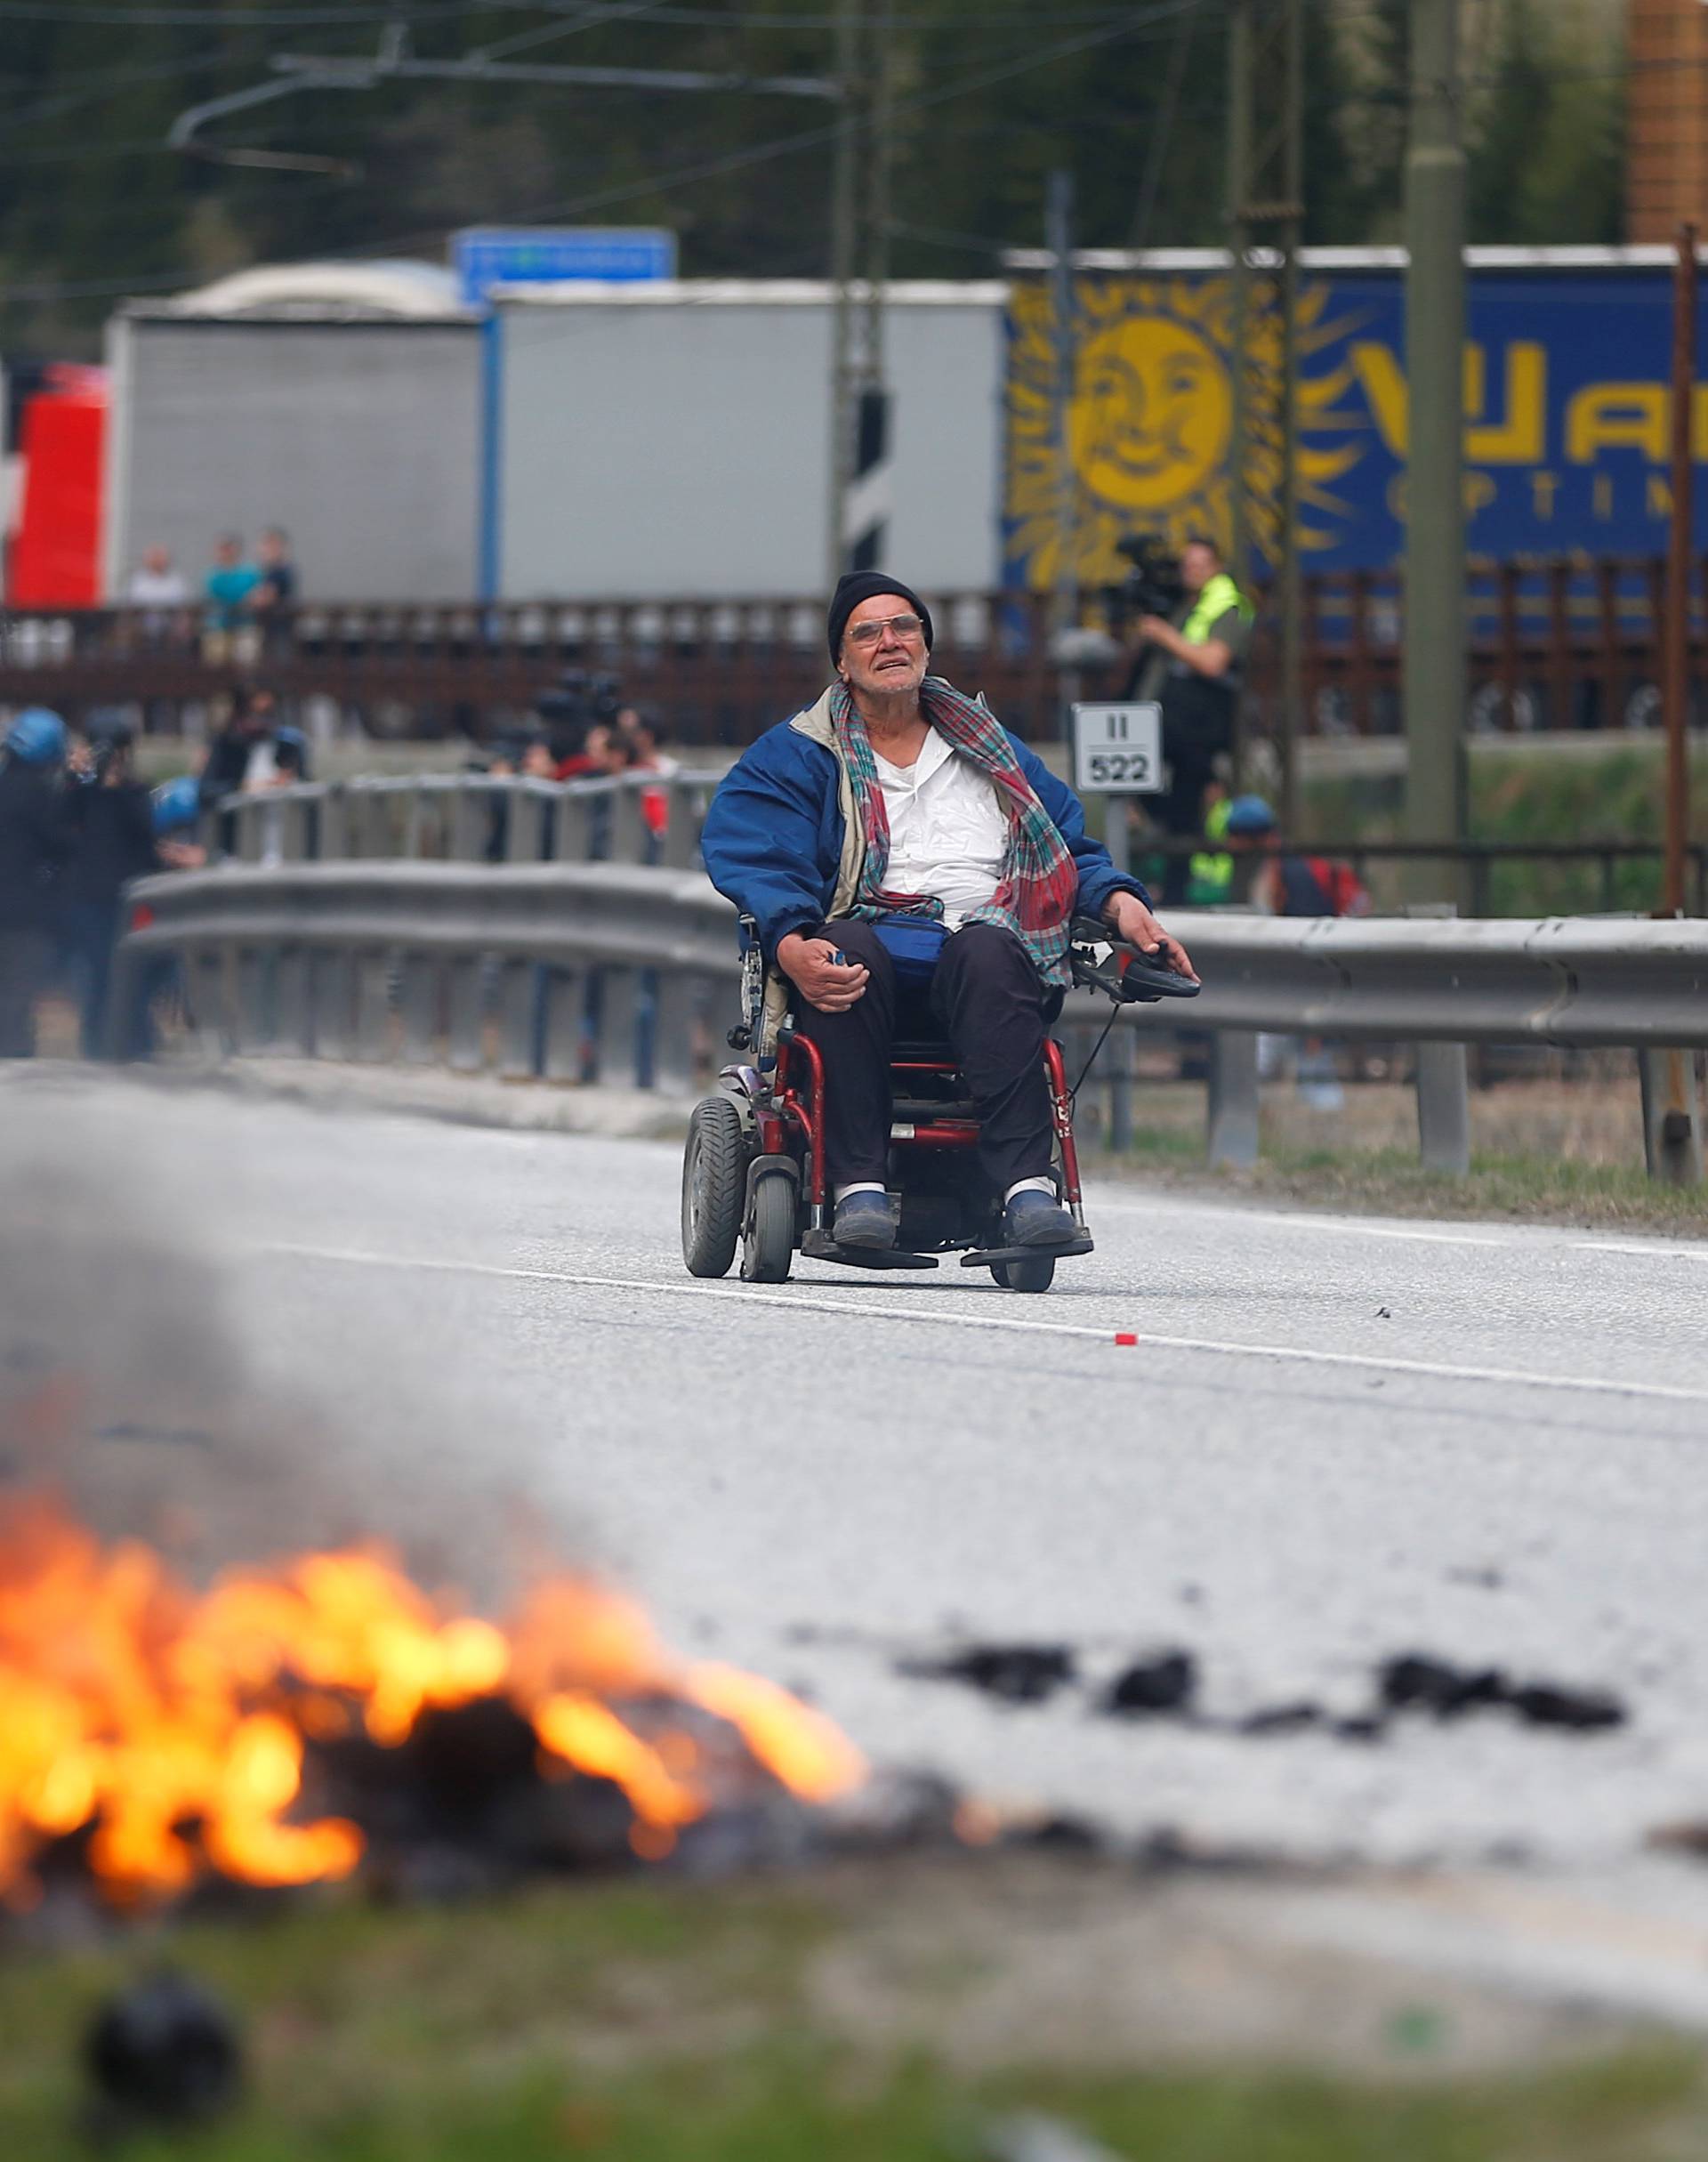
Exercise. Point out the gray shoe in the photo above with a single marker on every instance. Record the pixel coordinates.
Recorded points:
(1034, 1219)
(863, 1220)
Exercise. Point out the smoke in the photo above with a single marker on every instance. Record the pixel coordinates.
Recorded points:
(147, 1378)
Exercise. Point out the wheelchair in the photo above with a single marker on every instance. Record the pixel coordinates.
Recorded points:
(753, 1173)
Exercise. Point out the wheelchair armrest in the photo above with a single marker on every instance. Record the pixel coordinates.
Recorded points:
(1121, 973)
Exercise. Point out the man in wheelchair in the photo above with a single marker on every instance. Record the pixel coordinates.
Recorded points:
(912, 870)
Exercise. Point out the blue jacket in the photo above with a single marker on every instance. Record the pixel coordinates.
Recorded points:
(777, 843)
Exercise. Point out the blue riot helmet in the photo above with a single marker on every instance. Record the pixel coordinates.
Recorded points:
(175, 806)
(36, 736)
(1248, 816)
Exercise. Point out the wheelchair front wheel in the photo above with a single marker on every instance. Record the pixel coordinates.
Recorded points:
(767, 1235)
(1036, 1272)
(714, 1181)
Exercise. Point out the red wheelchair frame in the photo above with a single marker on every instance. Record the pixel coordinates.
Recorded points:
(790, 1106)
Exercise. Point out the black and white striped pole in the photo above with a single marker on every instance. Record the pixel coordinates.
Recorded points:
(860, 489)
(867, 505)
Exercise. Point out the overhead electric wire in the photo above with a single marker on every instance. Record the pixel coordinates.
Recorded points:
(1151, 186)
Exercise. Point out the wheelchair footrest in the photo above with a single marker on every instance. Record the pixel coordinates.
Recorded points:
(982, 1258)
(819, 1245)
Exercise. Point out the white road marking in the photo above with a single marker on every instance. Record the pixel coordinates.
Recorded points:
(1644, 1253)
(1430, 1369)
(1284, 1220)
(1532, 1236)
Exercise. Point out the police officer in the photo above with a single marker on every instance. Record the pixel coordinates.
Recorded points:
(36, 838)
(1192, 664)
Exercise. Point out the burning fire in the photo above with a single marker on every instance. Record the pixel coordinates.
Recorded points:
(174, 1725)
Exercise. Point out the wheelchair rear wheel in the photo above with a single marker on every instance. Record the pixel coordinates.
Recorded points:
(1036, 1272)
(767, 1235)
(715, 1183)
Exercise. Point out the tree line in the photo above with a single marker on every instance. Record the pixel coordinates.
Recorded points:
(987, 96)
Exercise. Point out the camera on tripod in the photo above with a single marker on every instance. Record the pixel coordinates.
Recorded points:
(1153, 587)
(578, 701)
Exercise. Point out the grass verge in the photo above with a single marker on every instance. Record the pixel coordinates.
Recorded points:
(664, 2019)
(1389, 1182)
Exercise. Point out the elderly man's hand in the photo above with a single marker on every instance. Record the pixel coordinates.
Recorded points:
(810, 965)
(1131, 921)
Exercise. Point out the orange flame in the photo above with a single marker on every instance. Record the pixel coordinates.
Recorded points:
(173, 1726)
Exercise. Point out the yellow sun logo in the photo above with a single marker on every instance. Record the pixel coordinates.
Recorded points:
(1150, 425)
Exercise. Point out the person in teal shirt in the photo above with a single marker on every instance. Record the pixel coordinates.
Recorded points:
(229, 589)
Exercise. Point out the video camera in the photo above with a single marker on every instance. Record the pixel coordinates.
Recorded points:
(577, 702)
(1153, 586)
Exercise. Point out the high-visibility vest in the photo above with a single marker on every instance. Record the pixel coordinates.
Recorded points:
(1210, 877)
(1214, 602)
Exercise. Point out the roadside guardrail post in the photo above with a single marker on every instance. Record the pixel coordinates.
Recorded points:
(1233, 1098)
(209, 1004)
(521, 990)
(255, 1031)
(291, 1032)
(526, 830)
(630, 831)
(467, 1048)
(1121, 1050)
(565, 994)
(1671, 1117)
(1443, 1109)
(682, 841)
(373, 1007)
(1443, 1086)
(334, 824)
(615, 1025)
(674, 1011)
(574, 839)
(470, 822)
(295, 814)
(419, 1005)
(332, 986)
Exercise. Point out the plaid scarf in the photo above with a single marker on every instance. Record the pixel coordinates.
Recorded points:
(1040, 881)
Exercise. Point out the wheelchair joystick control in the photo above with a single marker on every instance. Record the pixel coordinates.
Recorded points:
(740, 1037)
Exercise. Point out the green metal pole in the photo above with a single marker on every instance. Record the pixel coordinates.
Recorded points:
(1290, 717)
(1435, 659)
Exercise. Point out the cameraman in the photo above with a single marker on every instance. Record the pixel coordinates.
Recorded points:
(1192, 667)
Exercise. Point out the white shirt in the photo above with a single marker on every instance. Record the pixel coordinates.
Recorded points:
(158, 589)
(948, 831)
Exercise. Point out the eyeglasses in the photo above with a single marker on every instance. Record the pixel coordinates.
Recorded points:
(869, 634)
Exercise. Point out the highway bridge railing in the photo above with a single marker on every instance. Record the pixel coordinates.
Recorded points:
(469, 817)
(1556, 642)
(625, 974)
(651, 817)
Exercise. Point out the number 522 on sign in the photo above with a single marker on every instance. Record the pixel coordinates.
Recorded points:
(1118, 749)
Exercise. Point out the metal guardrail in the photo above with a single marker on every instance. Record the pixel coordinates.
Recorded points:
(467, 817)
(563, 971)
(620, 972)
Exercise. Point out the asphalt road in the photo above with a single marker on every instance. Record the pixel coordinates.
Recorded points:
(1336, 1440)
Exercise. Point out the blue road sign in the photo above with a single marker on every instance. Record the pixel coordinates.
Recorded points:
(487, 256)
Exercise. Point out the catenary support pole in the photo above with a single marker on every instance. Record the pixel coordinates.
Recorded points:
(1677, 662)
(1239, 187)
(842, 214)
(1672, 1135)
(1434, 672)
(1058, 220)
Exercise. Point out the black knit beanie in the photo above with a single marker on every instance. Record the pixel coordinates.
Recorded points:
(857, 586)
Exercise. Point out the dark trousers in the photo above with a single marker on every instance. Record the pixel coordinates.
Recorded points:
(23, 969)
(90, 932)
(987, 998)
